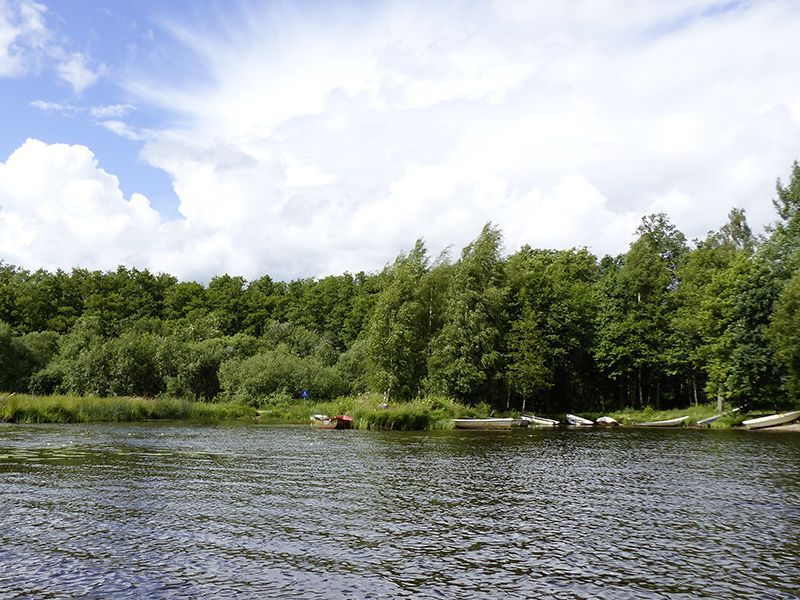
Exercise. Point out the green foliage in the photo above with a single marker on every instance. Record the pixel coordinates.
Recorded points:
(467, 355)
(663, 325)
(73, 409)
(784, 333)
(257, 379)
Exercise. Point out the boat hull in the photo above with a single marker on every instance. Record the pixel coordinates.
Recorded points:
(337, 422)
(577, 421)
(491, 423)
(607, 422)
(534, 421)
(772, 420)
(677, 422)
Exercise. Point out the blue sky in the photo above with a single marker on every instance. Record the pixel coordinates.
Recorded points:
(309, 138)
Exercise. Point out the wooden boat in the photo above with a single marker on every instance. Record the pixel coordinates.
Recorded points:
(337, 422)
(676, 422)
(490, 423)
(607, 422)
(534, 421)
(577, 421)
(771, 420)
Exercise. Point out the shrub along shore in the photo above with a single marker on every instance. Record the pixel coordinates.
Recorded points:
(368, 411)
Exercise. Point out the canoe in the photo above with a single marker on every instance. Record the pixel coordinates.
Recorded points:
(771, 420)
(607, 422)
(490, 423)
(534, 421)
(577, 421)
(676, 422)
(337, 422)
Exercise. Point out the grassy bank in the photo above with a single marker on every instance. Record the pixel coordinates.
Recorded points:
(630, 416)
(369, 412)
(75, 409)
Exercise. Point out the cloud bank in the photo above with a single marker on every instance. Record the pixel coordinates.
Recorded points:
(313, 142)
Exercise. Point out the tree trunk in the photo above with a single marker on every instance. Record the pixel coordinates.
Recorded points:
(694, 388)
(720, 401)
(641, 395)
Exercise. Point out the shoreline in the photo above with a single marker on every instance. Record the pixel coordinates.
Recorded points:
(369, 412)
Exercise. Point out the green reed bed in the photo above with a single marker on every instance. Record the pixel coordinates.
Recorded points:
(629, 416)
(77, 409)
(370, 412)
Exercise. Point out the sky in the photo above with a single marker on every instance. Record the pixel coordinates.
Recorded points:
(308, 138)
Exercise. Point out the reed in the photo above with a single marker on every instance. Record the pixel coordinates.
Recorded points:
(369, 412)
(79, 409)
(629, 416)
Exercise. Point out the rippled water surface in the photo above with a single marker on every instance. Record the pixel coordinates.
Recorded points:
(242, 510)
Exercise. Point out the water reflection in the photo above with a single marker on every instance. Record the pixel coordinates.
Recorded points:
(170, 509)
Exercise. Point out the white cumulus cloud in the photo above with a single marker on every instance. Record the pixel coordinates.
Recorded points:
(59, 209)
(312, 142)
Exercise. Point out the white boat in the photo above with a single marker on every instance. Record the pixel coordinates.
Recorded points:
(676, 422)
(709, 420)
(491, 423)
(607, 422)
(534, 421)
(577, 421)
(771, 420)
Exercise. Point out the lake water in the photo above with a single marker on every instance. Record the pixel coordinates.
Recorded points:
(246, 510)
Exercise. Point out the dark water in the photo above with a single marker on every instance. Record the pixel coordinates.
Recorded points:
(173, 510)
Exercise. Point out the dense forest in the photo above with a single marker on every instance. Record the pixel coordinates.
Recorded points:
(666, 324)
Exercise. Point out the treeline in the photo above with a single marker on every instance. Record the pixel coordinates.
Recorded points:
(666, 324)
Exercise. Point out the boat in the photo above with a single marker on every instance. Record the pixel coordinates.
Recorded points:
(676, 422)
(771, 420)
(337, 422)
(577, 421)
(534, 421)
(709, 420)
(489, 423)
(607, 422)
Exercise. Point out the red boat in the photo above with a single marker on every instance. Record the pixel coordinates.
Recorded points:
(337, 422)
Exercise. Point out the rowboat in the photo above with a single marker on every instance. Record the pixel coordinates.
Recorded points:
(337, 422)
(607, 422)
(771, 420)
(709, 420)
(534, 421)
(490, 423)
(676, 422)
(577, 421)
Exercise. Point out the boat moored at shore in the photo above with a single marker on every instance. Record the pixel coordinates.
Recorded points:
(577, 421)
(771, 420)
(337, 422)
(676, 422)
(534, 421)
(489, 423)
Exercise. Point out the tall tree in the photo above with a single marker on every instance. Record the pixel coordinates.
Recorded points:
(467, 355)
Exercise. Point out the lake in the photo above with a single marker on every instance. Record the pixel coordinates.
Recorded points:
(242, 510)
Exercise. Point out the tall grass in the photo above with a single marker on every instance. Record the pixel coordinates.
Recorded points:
(629, 416)
(369, 412)
(77, 409)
